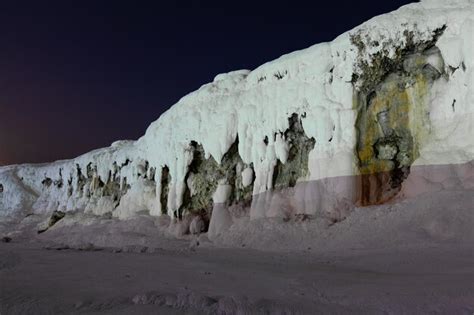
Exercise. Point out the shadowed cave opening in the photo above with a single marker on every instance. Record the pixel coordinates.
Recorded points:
(165, 182)
(203, 177)
(287, 174)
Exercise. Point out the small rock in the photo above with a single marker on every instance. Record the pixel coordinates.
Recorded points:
(6, 239)
(386, 151)
(197, 225)
(55, 217)
(193, 244)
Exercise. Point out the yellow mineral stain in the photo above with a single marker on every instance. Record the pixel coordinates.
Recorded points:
(405, 109)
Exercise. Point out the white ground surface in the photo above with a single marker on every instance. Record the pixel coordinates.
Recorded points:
(406, 258)
(439, 280)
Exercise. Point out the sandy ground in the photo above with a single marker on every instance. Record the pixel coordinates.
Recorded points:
(413, 257)
(39, 280)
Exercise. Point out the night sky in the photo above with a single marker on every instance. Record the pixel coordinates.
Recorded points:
(78, 75)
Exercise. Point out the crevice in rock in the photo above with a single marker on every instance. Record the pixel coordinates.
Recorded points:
(70, 188)
(90, 170)
(111, 188)
(143, 170)
(280, 75)
(392, 117)
(296, 166)
(91, 185)
(55, 217)
(58, 183)
(47, 182)
(165, 182)
(127, 161)
(152, 173)
(204, 175)
(81, 179)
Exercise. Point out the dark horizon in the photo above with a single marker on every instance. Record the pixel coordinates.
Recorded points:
(78, 77)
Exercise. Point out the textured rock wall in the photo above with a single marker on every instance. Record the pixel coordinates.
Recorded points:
(393, 118)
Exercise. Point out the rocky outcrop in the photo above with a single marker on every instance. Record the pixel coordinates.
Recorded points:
(393, 116)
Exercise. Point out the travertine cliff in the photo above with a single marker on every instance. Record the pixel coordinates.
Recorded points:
(385, 111)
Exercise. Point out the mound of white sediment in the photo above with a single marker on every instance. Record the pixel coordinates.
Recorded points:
(381, 114)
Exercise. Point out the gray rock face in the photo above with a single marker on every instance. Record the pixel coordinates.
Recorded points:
(393, 117)
(296, 167)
